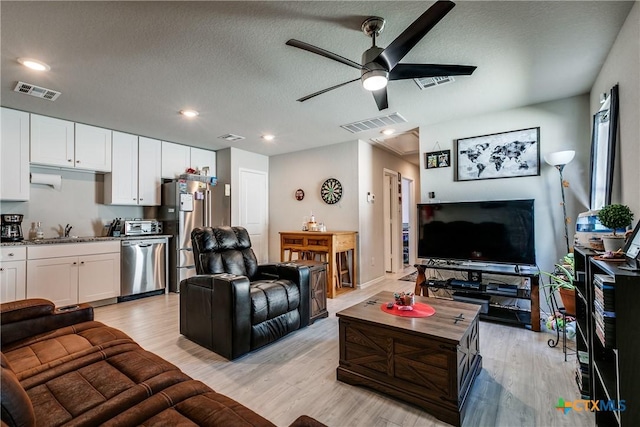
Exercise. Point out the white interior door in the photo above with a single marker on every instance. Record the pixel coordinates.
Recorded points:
(254, 210)
(392, 222)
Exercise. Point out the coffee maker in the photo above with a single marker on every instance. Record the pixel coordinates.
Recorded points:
(11, 227)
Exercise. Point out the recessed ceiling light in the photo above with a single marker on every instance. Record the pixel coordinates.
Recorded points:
(388, 131)
(268, 137)
(189, 113)
(34, 64)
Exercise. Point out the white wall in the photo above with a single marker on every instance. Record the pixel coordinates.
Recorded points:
(564, 125)
(78, 202)
(371, 163)
(307, 170)
(622, 66)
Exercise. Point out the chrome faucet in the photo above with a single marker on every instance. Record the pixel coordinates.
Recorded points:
(67, 230)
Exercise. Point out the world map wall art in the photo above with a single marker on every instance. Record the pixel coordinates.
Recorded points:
(499, 155)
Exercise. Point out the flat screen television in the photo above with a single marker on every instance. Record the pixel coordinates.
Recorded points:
(490, 231)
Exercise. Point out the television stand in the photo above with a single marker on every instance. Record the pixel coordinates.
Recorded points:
(474, 286)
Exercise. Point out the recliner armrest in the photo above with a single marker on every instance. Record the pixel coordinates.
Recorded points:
(215, 312)
(26, 318)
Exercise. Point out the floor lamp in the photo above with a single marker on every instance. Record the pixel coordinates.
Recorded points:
(559, 159)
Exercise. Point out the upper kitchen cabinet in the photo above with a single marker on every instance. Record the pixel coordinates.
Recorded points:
(201, 159)
(14, 154)
(176, 159)
(56, 142)
(52, 141)
(93, 148)
(135, 178)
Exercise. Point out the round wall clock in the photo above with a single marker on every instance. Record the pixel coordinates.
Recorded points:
(299, 194)
(331, 191)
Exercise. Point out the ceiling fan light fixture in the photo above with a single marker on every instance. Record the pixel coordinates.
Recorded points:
(375, 80)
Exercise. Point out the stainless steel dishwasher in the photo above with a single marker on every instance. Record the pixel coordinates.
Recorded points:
(143, 269)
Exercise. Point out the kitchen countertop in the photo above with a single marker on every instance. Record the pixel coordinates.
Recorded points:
(62, 240)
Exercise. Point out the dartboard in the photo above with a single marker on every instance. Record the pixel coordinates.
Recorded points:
(331, 191)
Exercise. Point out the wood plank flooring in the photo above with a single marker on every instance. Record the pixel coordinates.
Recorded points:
(520, 383)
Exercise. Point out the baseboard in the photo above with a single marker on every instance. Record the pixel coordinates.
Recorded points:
(370, 282)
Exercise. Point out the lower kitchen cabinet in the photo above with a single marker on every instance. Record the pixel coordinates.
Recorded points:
(13, 272)
(88, 272)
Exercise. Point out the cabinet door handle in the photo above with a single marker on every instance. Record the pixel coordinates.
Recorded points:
(134, 198)
(11, 254)
(1, 268)
(141, 199)
(77, 161)
(75, 263)
(69, 160)
(81, 262)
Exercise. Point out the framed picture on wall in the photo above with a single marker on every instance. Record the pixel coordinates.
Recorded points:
(437, 159)
(500, 155)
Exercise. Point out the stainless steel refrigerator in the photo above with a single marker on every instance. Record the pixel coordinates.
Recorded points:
(185, 206)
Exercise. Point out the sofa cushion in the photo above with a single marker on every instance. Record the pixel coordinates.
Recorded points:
(224, 250)
(17, 409)
(47, 350)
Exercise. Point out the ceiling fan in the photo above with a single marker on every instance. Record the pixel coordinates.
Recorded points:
(381, 65)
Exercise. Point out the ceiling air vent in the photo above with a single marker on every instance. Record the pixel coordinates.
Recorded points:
(429, 82)
(37, 91)
(231, 137)
(375, 123)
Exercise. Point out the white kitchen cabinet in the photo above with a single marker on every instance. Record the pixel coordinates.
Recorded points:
(201, 159)
(62, 143)
(73, 273)
(92, 148)
(96, 277)
(55, 279)
(13, 273)
(149, 171)
(176, 159)
(135, 178)
(14, 155)
(52, 141)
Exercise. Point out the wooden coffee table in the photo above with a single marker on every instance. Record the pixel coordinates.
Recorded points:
(430, 362)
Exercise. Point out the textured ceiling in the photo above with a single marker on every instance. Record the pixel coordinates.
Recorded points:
(132, 66)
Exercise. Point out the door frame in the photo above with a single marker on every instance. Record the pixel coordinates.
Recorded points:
(391, 210)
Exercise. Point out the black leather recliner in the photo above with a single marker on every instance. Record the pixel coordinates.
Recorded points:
(234, 305)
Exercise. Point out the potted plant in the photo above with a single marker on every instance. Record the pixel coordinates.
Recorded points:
(562, 281)
(615, 216)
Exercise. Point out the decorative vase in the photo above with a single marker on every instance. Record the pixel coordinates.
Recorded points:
(613, 243)
(568, 300)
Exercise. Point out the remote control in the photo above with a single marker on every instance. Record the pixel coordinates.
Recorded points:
(390, 305)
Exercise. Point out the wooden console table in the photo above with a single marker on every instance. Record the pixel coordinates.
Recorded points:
(330, 243)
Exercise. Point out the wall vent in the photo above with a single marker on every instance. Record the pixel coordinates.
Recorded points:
(37, 91)
(429, 82)
(375, 123)
(231, 137)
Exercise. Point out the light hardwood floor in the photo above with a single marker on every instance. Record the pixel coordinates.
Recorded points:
(520, 383)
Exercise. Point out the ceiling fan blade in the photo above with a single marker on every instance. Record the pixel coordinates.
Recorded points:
(398, 48)
(319, 51)
(381, 98)
(326, 90)
(416, 71)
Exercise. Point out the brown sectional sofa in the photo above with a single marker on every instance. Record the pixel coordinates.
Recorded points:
(61, 367)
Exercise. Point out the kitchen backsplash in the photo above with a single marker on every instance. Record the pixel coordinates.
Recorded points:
(79, 202)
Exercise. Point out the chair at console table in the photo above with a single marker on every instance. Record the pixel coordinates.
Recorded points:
(329, 242)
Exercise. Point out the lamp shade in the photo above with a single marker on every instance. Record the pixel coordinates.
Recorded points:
(559, 157)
